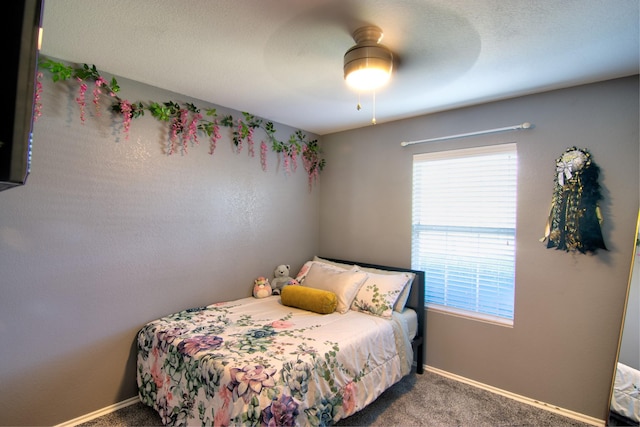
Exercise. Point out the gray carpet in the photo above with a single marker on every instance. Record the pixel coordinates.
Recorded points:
(418, 400)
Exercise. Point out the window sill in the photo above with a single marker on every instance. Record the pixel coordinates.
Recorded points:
(479, 317)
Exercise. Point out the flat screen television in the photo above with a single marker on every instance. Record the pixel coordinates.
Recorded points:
(20, 62)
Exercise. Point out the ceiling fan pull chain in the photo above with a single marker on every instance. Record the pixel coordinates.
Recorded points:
(373, 120)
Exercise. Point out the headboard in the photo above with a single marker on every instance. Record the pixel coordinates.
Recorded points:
(415, 301)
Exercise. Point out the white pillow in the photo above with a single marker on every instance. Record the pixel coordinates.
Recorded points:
(307, 265)
(344, 283)
(401, 302)
(334, 263)
(404, 295)
(303, 271)
(379, 293)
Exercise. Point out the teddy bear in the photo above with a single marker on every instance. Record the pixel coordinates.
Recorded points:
(261, 287)
(281, 278)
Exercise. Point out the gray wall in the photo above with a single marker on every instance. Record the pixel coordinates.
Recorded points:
(108, 234)
(568, 307)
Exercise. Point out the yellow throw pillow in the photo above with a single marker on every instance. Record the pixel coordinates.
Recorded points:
(310, 299)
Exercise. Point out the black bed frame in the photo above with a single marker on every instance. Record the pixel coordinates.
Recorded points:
(415, 301)
(616, 419)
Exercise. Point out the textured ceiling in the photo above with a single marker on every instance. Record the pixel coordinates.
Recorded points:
(282, 59)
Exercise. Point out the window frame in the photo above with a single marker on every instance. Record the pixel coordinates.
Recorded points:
(501, 148)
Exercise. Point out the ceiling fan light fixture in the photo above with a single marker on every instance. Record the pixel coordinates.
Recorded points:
(368, 64)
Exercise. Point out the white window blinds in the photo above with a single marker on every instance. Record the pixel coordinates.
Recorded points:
(464, 227)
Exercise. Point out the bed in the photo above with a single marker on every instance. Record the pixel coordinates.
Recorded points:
(316, 354)
(625, 401)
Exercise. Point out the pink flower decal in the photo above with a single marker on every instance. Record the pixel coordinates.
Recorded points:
(239, 133)
(97, 91)
(127, 114)
(250, 142)
(185, 121)
(193, 128)
(310, 165)
(286, 162)
(263, 155)
(81, 98)
(183, 125)
(215, 137)
(294, 158)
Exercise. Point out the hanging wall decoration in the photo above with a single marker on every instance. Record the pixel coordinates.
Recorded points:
(575, 218)
(186, 121)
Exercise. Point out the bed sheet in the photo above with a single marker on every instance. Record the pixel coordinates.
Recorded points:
(254, 361)
(626, 392)
(409, 320)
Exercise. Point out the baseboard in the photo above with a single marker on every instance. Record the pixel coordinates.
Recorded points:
(542, 405)
(100, 412)
(552, 408)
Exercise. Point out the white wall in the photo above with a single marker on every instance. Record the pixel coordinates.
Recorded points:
(108, 234)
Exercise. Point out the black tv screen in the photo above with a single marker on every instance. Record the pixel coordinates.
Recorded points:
(20, 64)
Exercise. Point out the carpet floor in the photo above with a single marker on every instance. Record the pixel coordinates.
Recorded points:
(417, 400)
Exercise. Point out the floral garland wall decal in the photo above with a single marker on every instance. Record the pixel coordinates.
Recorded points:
(186, 121)
(575, 218)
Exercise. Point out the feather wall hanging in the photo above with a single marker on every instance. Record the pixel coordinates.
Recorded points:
(575, 218)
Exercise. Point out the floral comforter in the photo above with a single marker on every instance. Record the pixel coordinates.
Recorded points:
(256, 362)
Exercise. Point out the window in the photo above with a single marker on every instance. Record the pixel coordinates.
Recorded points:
(464, 229)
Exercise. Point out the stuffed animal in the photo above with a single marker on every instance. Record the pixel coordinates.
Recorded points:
(261, 287)
(281, 278)
(292, 282)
